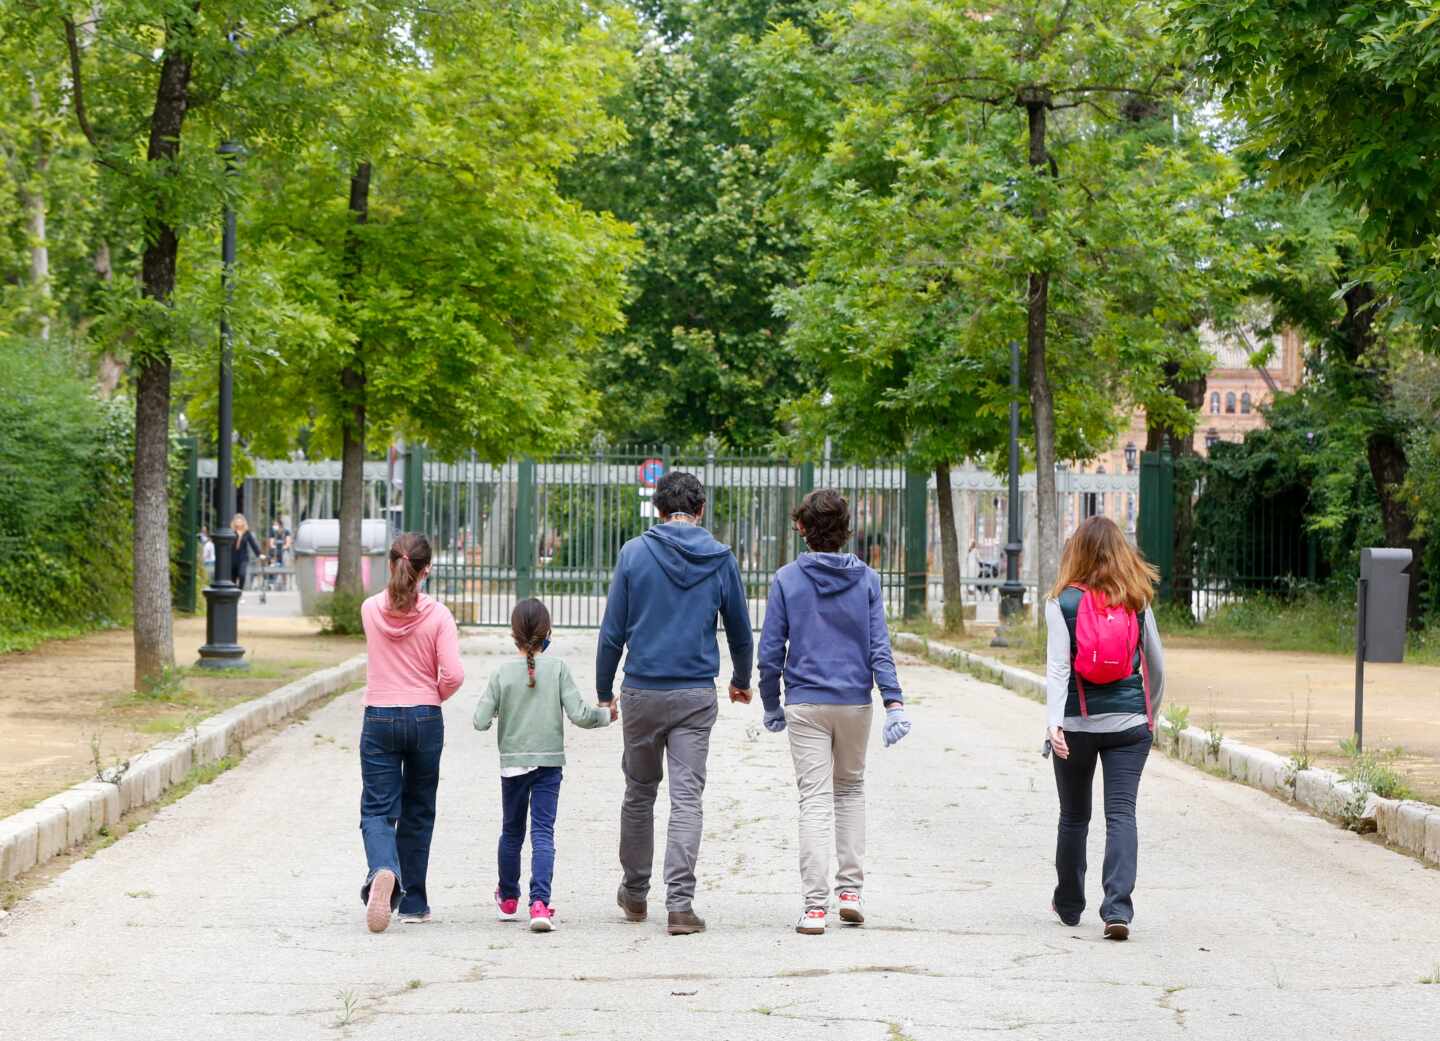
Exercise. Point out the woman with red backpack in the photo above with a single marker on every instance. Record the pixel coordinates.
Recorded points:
(1105, 676)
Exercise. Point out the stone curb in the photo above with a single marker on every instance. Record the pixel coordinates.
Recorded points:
(32, 837)
(1411, 826)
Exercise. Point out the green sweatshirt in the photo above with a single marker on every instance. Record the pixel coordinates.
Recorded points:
(532, 732)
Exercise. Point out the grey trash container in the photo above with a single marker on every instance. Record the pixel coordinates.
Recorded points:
(317, 555)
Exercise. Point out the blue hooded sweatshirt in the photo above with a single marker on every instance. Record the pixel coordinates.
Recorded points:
(669, 585)
(829, 609)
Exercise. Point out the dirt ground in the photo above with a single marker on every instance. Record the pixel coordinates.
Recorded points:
(67, 703)
(1263, 698)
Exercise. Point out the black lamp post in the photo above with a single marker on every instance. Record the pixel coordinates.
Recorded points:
(1012, 590)
(222, 597)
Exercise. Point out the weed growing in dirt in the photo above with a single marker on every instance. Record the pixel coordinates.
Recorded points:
(1300, 757)
(348, 1004)
(1371, 771)
(1434, 978)
(1177, 718)
(1214, 737)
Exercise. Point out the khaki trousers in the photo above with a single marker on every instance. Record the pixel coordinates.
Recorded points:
(828, 744)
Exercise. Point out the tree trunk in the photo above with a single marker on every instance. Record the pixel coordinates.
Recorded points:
(34, 199)
(154, 640)
(1042, 402)
(1384, 451)
(954, 615)
(352, 434)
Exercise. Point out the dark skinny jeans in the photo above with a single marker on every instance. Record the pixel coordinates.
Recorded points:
(1122, 758)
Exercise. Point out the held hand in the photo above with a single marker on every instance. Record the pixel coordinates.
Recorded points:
(739, 695)
(612, 706)
(897, 725)
(1057, 743)
(775, 719)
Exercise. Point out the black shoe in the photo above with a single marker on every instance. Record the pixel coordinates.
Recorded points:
(1072, 921)
(1117, 930)
(635, 910)
(683, 923)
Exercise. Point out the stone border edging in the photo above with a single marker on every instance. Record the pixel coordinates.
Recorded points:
(1409, 825)
(32, 837)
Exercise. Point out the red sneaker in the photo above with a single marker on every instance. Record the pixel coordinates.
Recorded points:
(506, 910)
(852, 911)
(542, 918)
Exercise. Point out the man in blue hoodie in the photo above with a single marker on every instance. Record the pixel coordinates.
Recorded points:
(669, 586)
(825, 635)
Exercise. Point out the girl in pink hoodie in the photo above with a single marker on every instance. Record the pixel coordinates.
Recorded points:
(414, 665)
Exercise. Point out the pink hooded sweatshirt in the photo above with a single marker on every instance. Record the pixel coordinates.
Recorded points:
(415, 657)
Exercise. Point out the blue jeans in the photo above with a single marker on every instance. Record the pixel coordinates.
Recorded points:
(400, 769)
(536, 794)
(1122, 757)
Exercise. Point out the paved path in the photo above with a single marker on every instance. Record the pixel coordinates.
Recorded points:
(234, 913)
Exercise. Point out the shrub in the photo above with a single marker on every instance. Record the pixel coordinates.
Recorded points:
(339, 614)
(65, 530)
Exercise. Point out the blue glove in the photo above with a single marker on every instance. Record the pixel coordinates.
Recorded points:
(775, 719)
(897, 725)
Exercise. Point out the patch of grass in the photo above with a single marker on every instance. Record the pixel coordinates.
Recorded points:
(140, 894)
(896, 1033)
(1434, 978)
(414, 984)
(13, 640)
(1318, 620)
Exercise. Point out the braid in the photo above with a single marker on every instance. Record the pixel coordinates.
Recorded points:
(530, 663)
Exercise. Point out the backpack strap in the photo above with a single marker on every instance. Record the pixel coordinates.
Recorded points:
(1145, 675)
(1074, 653)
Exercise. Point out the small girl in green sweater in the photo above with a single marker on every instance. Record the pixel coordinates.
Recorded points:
(528, 697)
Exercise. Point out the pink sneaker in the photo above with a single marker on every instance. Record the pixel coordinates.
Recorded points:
(377, 907)
(506, 910)
(542, 918)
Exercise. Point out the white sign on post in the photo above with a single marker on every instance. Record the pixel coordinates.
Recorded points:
(647, 508)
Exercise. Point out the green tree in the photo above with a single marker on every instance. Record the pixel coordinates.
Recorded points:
(143, 79)
(1341, 97)
(702, 351)
(417, 273)
(1006, 172)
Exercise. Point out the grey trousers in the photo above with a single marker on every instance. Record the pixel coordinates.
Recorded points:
(664, 728)
(828, 744)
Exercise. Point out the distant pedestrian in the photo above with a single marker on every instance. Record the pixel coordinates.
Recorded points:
(414, 666)
(207, 554)
(279, 543)
(669, 587)
(531, 696)
(972, 565)
(825, 638)
(1105, 679)
(247, 548)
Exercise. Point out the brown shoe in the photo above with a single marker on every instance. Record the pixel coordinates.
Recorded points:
(683, 923)
(1117, 931)
(635, 910)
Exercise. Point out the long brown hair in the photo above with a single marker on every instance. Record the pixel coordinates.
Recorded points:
(1099, 556)
(409, 557)
(530, 628)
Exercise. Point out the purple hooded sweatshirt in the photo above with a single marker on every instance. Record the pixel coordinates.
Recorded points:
(825, 634)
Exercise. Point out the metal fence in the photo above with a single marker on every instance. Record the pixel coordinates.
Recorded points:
(555, 529)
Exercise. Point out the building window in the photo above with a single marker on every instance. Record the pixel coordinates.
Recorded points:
(1211, 436)
(1245, 403)
(1130, 454)
(1215, 403)
(1230, 403)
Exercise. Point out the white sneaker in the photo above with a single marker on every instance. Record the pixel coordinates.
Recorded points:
(852, 911)
(812, 922)
(415, 919)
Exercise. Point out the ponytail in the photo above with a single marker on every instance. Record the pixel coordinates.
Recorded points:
(530, 628)
(409, 557)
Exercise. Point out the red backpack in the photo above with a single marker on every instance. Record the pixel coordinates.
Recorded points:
(1106, 637)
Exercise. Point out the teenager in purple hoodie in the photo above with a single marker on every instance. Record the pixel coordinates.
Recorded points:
(825, 637)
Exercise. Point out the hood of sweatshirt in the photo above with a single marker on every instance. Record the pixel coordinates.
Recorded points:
(687, 553)
(397, 626)
(831, 573)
